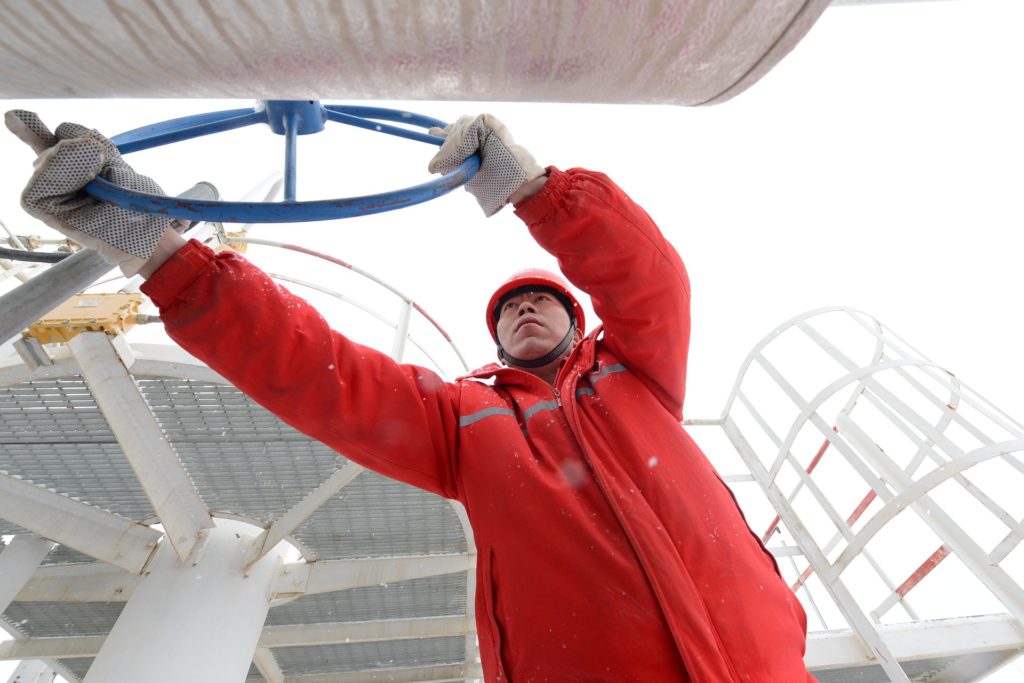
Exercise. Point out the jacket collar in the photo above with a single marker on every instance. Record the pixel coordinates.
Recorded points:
(583, 355)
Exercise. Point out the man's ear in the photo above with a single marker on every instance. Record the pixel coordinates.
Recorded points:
(577, 336)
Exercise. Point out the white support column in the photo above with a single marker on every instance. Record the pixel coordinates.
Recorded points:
(32, 671)
(170, 491)
(18, 562)
(197, 620)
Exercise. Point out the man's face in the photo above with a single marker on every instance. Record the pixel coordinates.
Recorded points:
(531, 323)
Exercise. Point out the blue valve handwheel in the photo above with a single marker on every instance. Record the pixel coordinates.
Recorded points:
(288, 118)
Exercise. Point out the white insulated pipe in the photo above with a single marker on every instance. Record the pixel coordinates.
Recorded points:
(686, 52)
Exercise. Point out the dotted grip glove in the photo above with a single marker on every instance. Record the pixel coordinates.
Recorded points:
(68, 160)
(504, 165)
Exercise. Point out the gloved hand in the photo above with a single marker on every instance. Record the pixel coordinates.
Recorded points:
(504, 165)
(68, 160)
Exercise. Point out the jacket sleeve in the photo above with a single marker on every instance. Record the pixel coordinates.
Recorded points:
(399, 420)
(611, 249)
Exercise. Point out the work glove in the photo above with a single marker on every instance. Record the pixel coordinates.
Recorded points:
(68, 160)
(504, 165)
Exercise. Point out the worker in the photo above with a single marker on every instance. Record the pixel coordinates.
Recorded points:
(608, 548)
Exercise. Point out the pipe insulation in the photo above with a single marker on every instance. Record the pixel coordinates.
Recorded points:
(684, 52)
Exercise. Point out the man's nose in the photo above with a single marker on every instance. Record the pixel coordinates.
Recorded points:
(526, 307)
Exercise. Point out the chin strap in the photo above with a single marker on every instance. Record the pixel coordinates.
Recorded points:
(551, 355)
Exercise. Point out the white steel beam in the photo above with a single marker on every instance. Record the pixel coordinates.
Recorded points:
(272, 637)
(309, 578)
(100, 534)
(301, 635)
(417, 674)
(301, 511)
(18, 561)
(964, 636)
(163, 478)
(94, 582)
(267, 665)
(51, 648)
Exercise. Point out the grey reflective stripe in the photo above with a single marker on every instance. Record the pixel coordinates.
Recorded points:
(546, 405)
(466, 420)
(608, 370)
(592, 379)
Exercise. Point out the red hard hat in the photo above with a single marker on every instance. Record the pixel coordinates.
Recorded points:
(534, 277)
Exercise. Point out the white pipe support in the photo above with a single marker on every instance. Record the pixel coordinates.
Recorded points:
(18, 562)
(160, 473)
(204, 615)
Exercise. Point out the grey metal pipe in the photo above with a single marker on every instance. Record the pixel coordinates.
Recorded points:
(21, 307)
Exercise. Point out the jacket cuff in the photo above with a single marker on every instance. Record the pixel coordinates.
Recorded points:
(177, 273)
(540, 207)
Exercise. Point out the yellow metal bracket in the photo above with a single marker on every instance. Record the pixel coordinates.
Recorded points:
(110, 313)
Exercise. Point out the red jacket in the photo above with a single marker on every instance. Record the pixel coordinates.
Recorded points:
(608, 547)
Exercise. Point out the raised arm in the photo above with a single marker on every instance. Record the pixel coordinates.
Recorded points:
(611, 249)
(605, 244)
(398, 420)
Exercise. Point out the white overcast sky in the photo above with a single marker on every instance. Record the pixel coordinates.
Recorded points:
(878, 166)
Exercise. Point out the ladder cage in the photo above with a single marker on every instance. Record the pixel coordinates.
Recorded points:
(893, 478)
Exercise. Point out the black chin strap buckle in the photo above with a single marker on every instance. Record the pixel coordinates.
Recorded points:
(550, 356)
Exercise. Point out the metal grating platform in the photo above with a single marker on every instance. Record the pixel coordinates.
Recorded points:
(244, 463)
